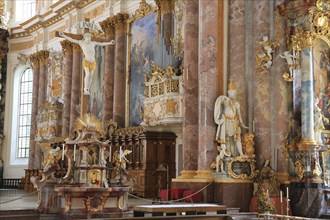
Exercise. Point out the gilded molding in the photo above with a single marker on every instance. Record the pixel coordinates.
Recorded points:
(143, 10)
(67, 47)
(21, 46)
(119, 21)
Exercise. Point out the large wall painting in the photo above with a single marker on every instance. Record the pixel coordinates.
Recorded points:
(95, 97)
(321, 54)
(142, 50)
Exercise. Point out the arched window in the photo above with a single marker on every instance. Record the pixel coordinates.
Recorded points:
(24, 114)
(25, 9)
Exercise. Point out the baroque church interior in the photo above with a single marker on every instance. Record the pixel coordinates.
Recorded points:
(200, 106)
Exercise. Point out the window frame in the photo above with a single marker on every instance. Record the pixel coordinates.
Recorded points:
(25, 116)
(14, 160)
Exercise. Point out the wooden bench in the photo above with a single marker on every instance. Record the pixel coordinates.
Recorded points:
(178, 209)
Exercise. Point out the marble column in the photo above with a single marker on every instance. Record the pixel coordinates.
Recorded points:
(120, 67)
(67, 50)
(109, 70)
(190, 98)
(207, 83)
(307, 96)
(76, 87)
(43, 58)
(35, 64)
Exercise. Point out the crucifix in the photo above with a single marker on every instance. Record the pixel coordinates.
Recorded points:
(87, 43)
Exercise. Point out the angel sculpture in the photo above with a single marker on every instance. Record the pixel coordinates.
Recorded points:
(120, 160)
(291, 60)
(227, 116)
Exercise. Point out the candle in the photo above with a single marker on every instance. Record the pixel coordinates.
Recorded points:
(281, 197)
(253, 129)
(74, 152)
(217, 168)
(287, 192)
(63, 152)
(120, 152)
(267, 192)
(110, 153)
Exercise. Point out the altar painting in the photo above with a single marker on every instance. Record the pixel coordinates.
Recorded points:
(142, 50)
(95, 98)
(321, 54)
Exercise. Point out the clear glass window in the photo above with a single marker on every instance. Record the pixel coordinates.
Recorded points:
(24, 114)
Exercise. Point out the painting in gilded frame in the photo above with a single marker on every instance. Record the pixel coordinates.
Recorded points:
(142, 49)
(321, 61)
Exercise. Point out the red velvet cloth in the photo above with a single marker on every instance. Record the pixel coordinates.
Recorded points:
(163, 195)
(195, 198)
(276, 201)
(176, 193)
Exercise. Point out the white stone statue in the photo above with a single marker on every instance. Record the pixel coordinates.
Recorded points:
(290, 59)
(88, 48)
(227, 116)
(318, 121)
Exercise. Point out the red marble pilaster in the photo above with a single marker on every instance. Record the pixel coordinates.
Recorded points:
(43, 59)
(35, 64)
(109, 70)
(76, 87)
(207, 81)
(120, 73)
(67, 50)
(190, 98)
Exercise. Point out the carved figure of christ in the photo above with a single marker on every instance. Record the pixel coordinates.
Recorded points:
(87, 43)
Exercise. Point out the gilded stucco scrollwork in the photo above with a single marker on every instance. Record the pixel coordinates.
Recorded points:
(55, 76)
(143, 10)
(264, 56)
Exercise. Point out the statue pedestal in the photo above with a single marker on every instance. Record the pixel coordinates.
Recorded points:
(94, 202)
(227, 190)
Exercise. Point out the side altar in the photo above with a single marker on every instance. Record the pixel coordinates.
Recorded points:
(75, 176)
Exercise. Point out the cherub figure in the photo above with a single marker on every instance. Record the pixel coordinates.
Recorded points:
(290, 59)
(219, 159)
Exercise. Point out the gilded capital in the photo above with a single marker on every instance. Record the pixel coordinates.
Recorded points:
(76, 46)
(43, 57)
(108, 26)
(66, 47)
(303, 40)
(34, 59)
(165, 6)
(120, 22)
